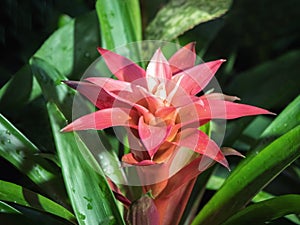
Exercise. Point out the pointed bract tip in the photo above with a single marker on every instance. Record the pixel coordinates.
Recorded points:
(66, 129)
(190, 45)
(267, 112)
(233, 98)
(158, 51)
(72, 84)
(102, 51)
(223, 60)
(225, 164)
(230, 151)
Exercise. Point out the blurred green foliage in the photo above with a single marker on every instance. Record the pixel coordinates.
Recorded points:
(25, 25)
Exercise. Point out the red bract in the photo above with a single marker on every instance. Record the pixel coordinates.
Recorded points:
(162, 114)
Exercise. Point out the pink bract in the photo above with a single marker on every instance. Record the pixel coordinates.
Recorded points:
(162, 113)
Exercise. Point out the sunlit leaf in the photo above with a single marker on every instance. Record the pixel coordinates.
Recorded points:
(266, 211)
(90, 195)
(6, 208)
(250, 179)
(285, 121)
(14, 193)
(179, 16)
(135, 15)
(288, 119)
(23, 154)
(119, 17)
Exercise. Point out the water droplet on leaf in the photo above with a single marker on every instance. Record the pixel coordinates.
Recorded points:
(81, 216)
(89, 206)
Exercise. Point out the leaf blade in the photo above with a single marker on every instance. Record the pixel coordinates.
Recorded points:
(89, 193)
(14, 193)
(250, 179)
(114, 18)
(267, 210)
(182, 16)
(23, 154)
(73, 47)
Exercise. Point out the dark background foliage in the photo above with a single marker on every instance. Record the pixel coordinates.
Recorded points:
(252, 32)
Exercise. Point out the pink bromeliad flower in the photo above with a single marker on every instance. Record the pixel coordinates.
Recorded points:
(162, 114)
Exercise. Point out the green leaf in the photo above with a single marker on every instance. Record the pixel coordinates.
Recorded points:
(104, 149)
(57, 50)
(23, 154)
(135, 16)
(207, 128)
(73, 47)
(288, 119)
(267, 210)
(90, 195)
(6, 208)
(251, 134)
(86, 41)
(258, 171)
(179, 16)
(120, 22)
(14, 193)
(269, 76)
(12, 100)
(49, 79)
(53, 90)
(285, 121)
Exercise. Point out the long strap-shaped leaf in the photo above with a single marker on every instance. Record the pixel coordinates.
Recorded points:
(6, 208)
(288, 119)
(14, 193)
(23, 154)
(120, 22)
(245, 183)
(267, 210)
(90, 195)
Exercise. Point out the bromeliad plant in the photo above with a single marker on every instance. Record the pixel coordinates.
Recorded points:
(167, 153)
(162, 114)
